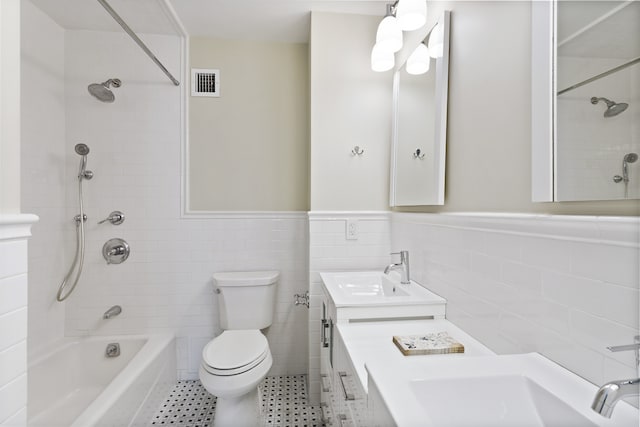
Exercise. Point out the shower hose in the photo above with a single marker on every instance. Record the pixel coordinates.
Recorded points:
(78, 260)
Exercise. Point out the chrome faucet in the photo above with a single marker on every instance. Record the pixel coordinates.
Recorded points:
(610, 393)
(403, 266)
(113, 311)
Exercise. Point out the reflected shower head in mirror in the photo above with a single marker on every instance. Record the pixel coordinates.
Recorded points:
(628, 158)
(613, 108)
(102, 92)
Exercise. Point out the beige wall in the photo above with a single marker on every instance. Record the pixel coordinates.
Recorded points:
(489, 142)
(350, 105)
(249, 148)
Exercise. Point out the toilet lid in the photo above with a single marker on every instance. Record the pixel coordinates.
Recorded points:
(235, 349)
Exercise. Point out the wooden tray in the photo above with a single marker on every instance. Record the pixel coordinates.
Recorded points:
(434, 343)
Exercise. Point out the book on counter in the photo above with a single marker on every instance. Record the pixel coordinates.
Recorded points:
(433, 343)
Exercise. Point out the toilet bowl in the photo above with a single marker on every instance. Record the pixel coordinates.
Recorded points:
(236, 361)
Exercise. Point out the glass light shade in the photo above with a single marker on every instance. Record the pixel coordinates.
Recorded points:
(381, 59)
(436, 42)
(419, 61)
(389, 35)
(411, 14)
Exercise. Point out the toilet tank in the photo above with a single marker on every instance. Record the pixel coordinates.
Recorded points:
(246, 300)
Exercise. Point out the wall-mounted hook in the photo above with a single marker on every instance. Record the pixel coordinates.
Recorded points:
(418, 154)
(357, 151)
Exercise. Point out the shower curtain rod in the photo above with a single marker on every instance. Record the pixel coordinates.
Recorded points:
(599, 76)
(136, 39)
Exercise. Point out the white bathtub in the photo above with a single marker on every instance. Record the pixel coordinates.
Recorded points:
(76, 385)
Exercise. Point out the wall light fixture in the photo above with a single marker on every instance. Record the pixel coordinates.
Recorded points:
(419, 60)
(389, 34)
(436, 41)
(411, 14)
(381, 59)
(403, 15)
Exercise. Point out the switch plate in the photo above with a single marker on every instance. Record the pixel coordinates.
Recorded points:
(352, 229)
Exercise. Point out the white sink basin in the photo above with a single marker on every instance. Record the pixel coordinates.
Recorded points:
(373, 295)
(354, 288)
(524, 390)
(495, 401)
(368, 285)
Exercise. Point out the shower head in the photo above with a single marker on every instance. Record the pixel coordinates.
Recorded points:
(101, 90)
(613, 108)
(82, 149)
(630, 157)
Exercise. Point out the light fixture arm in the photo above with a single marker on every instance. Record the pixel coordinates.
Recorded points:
(391, 9)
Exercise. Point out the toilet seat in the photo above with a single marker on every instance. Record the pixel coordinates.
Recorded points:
(235, 352)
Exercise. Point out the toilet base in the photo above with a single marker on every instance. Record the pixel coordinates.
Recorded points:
(243, 411)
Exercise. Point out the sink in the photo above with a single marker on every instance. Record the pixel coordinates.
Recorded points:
(495, 401)
(368, 285)
(374, 295)
(523, 390)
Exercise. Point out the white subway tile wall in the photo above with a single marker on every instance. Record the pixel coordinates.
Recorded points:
(43, 172)
(13, 320)
(566, 287)
(330, 250)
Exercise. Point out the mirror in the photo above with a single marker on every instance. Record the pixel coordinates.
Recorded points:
(419, 129)
(586, 100)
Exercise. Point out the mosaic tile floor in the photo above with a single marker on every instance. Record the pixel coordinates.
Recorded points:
(284, 404)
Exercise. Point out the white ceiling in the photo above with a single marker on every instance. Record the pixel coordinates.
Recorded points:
(288, 20)
(269, 20)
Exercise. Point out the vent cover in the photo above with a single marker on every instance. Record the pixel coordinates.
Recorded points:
(205, 82)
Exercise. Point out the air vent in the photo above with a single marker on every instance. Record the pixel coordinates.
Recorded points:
(205, 82)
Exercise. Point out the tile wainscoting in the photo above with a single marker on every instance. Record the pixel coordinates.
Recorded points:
(563, 286)
(14, 232)
(330, 250)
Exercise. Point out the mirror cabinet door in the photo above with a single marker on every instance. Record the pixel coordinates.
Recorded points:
(585, 100)
(419, 130)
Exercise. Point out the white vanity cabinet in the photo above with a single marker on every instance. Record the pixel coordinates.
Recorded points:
(351, 399)
(342, 396)
(327, 395)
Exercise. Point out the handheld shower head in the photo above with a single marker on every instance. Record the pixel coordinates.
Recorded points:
(613, 108)
(82, 149)
(83, 173)
(102, 92)
(628, 158)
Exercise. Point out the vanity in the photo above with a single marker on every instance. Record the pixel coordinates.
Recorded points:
(367, 381)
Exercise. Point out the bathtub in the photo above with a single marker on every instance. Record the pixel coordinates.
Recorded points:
(75, 384)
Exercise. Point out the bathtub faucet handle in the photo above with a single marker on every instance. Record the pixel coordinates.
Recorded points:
(115, 218)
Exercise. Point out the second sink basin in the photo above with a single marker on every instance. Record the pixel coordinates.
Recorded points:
(523, 390)
(494, 401)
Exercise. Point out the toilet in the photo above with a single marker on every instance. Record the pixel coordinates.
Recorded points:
(236, 361)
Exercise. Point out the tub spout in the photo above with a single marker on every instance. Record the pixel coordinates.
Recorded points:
(113, 311)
